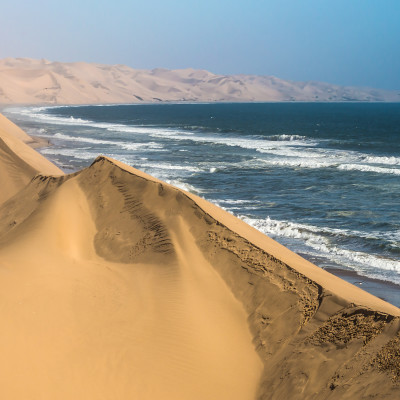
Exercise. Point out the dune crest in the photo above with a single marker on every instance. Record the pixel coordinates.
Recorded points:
(29, 81)
(104, 329)
(117, 285)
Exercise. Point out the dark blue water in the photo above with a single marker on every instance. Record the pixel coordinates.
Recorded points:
(322, 179)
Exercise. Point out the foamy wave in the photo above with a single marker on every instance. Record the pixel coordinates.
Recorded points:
(290, 138)
(285, 150)
(184, 185)
(123, 145)
(79, 155)
(168, 166)
(232, 201)
(83, 139)
(137, 146)
(294, 153)
(38, 114)
(369, 168)
(260, 145)
(297, 154)
(298, 163)
(300, 231)
(324, 160)
(364, 263)
(382, 160)
(144, 130)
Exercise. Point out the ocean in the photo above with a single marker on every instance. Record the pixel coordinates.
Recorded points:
(322, 179)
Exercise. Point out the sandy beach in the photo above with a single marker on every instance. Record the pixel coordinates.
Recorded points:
(116, 285)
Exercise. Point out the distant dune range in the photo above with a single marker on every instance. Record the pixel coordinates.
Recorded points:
(115, 285)
(28, 81)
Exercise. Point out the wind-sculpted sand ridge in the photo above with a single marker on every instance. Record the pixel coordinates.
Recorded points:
(117, 285)
(29, 81)
(19, 162)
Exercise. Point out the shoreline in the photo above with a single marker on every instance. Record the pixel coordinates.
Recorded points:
(377, 287)
(39, 143)
(383, 289)
(111, 272)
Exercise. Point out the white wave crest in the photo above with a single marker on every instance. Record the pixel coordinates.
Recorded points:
(288, 137)
(367, 264)
(123, 145)
(284, 150)
(168, 166)
(369, 168)
(232, 201)
(382, 160)
(184, 186)
(79, 155)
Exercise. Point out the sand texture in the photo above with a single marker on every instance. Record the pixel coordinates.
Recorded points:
(29, 81)
(115, 285)
(19, 163)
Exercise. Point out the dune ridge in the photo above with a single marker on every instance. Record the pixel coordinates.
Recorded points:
(115, 284)
(29, 81)
(19, 161)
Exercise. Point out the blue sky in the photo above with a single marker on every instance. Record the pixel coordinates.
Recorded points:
(353, 42)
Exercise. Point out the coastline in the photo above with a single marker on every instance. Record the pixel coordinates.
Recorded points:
(39, 142)
(385, 290)
(158, 288)
(109, 258)
(381, 288)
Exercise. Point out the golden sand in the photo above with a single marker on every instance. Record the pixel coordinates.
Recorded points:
(115, 285)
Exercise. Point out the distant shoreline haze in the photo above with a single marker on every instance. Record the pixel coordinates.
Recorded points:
(30, 81)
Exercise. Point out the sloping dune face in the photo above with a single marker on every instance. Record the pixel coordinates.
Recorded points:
(106, 296)
(116, 285)
(19, 163)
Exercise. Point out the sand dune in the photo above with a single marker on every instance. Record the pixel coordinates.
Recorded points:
(29, 81)
(19, 162)
(114, 284)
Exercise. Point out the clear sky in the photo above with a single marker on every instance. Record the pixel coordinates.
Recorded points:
(348, 42)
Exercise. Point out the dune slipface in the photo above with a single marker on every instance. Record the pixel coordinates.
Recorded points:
(114, 284)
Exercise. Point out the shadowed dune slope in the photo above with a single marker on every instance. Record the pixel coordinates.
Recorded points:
(114, 284)
(19, 163)
(104, 296)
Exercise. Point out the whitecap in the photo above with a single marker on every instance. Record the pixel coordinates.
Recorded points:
(77, 154)
(369, 168)
(366, 264)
